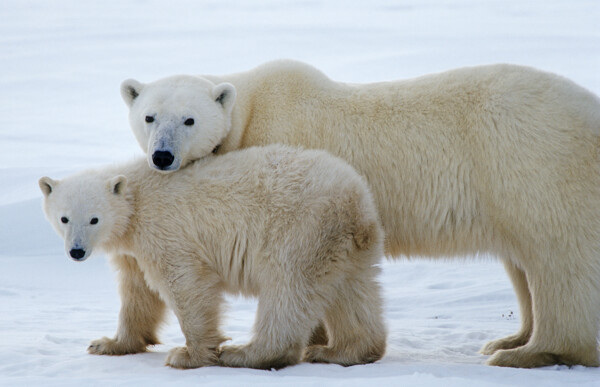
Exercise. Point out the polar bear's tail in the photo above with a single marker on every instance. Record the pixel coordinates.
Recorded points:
(367, 229)
(366, 235)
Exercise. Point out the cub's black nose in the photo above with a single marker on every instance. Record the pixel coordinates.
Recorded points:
(162, 159)
(77, 253)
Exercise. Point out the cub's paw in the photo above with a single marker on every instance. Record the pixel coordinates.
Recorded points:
(317, 354)
(180, 357)
(106, 346)
(233, 356)
(250, 356)
(323, 354)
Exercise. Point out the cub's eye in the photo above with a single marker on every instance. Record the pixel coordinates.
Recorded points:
(189, 122)
(149, 119)
(64, 219)
(94, 221)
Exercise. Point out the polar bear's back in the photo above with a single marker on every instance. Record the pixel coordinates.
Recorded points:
(272, 200)
(273, 171)
(438, 148)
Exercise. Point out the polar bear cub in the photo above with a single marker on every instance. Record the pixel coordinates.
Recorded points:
(296, 228)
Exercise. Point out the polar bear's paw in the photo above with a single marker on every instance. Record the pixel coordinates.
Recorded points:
(234, 356)
(347, 357)
(317, 354)
(107, 346)
(180, 357)
(249, 356)
(509, 342)
(529, 357)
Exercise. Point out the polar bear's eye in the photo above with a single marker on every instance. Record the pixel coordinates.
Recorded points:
(189, 122)
(149, 119)
(64, 219)
(94, 221)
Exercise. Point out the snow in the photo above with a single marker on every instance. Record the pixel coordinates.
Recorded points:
(61, 64)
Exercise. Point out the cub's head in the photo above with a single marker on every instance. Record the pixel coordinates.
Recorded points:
(85, 211)
(178, 119)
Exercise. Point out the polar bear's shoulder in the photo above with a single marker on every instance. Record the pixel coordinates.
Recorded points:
(281, 71)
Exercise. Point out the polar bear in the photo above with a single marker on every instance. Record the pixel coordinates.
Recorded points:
(297, 229)
(496, 159)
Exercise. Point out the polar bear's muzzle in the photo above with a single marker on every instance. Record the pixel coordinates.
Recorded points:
(163, 152)
(77, 254)
(162, 159)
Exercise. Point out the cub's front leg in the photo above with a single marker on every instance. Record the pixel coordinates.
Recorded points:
(196, 300)
(142, 312)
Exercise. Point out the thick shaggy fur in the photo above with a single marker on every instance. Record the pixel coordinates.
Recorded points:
(496, 159)
(297, 229)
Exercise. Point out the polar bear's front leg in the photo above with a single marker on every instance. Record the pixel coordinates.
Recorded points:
(197, 298)
(142, 311)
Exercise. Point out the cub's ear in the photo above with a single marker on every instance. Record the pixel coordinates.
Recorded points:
(47, 185)
(130, 90)
(117, 185)
(224, 93)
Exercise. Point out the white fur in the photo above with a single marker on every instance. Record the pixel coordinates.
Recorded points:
(78, 210)
(494, 159)
(210, 109)
(298, 229)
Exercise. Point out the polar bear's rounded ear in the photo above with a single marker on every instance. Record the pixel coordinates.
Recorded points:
(224, 93)
(117, 184)
(47, 185)
(130, 90)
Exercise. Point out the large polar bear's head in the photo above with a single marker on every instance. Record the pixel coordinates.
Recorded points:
(178, 119)
(86, 210)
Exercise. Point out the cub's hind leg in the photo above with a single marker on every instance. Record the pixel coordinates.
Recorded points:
(285, 318)
(354, 319)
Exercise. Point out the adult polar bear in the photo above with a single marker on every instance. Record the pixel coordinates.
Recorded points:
(501, 159)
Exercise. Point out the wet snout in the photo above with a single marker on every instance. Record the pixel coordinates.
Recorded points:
(77, 254)
(77, 251)
(163, 149)
(162, 159)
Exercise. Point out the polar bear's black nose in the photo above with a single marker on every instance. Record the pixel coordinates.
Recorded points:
(162, 159)
(77, 253)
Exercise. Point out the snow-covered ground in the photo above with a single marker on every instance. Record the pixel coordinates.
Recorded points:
(61, 63)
